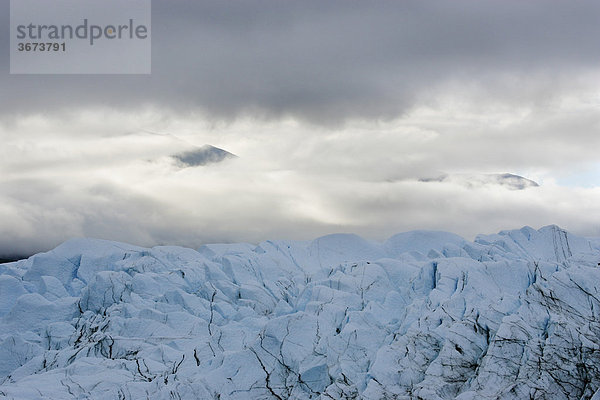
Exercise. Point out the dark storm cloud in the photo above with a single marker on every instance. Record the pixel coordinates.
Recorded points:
(327, 61)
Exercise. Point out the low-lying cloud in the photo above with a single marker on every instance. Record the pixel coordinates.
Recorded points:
(309, 182)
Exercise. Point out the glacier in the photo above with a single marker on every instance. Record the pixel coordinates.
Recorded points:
(423, 315)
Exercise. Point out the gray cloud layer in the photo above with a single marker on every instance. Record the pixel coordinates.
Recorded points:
(334, 60)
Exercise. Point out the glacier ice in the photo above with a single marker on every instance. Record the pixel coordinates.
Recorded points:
(423, 315)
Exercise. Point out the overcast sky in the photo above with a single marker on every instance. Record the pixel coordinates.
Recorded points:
(337, 111)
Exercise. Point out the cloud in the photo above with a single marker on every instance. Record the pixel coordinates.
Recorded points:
(299, 185)
(335, 109)
(330, 62)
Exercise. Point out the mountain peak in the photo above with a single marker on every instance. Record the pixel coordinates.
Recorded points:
(201, 156)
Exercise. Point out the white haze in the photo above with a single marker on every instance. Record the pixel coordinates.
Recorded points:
(109, 175)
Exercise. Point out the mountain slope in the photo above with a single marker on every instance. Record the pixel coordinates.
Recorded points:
(202, 156)
(506, 180)
(424, 315)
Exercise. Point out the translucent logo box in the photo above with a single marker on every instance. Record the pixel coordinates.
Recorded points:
(80, 37)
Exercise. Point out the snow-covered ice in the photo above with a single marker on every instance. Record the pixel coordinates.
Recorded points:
(423, 315)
